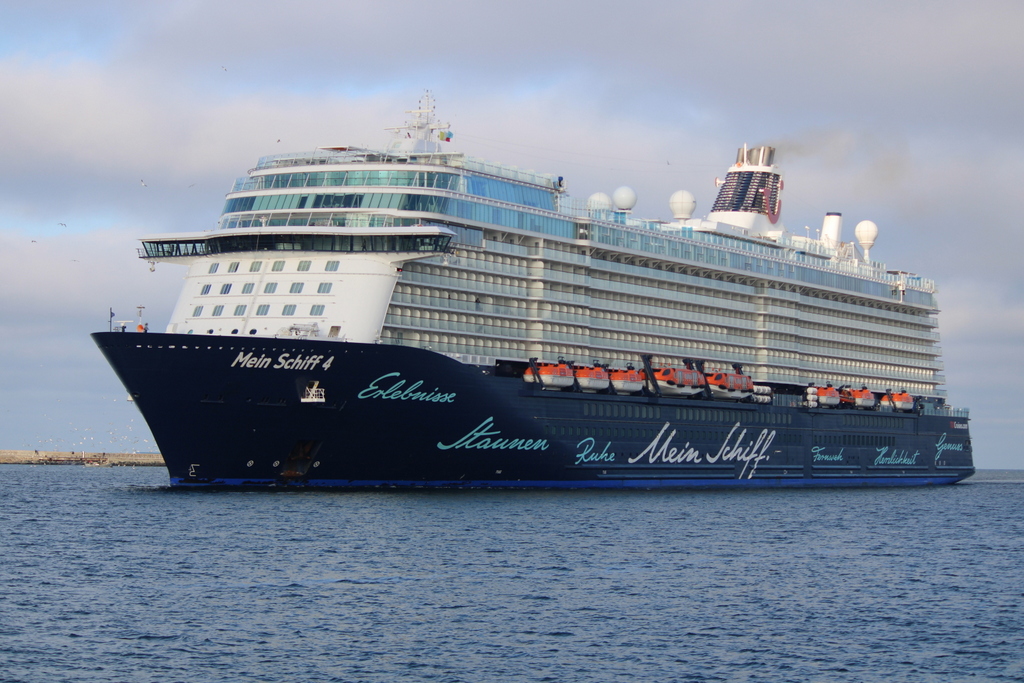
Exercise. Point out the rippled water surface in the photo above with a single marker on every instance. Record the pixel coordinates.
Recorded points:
(106, 575)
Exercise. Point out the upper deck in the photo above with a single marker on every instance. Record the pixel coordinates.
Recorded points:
(369, 187)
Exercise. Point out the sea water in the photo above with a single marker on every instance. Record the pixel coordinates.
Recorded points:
(108, 575)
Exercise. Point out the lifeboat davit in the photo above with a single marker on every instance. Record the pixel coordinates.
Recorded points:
(901, 401)
(592, 379)
(680, 381)
(731, 386)
(858, 398)
(628, 381)
(552, 375)
(828, 396)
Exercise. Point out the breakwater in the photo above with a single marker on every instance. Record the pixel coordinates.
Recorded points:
(80, 458)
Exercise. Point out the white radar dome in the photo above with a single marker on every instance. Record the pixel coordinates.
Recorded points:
(624, 198)
(682, 204)
(866, 232)
(599, 201)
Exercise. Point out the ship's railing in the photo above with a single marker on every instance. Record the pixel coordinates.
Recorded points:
(947, 410)
(795, 247)
(774, 308)
(324, 157)
(656, 293)
(681, 278)
(468, 263)
(474, 285)
(863, 324)
(854, 368)
(551, 275)
(790, 345)
(502, 171)
(457, 305)
(790, 247)
(557, 255)
(638, 227)
(506, 248)
(718, 259)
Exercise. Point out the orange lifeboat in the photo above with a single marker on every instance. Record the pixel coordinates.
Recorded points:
(592, 379)
(901, 401)
(679, 381)
(857, 398)
(732, 386)
(552, 375)
(628, 381)
(828, 396)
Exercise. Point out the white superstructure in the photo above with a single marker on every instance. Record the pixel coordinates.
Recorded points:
(499, 263)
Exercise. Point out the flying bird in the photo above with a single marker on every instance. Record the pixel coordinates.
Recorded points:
(225, 68)
(144, 183)
(64, 224)
(192, 185)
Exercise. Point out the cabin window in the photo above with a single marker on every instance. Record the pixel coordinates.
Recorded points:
(324, 288)
(255, 266)
(217, 310)
(214, 267)
(225, 289)
(206, 289)
(332, 266)
(296, 288)
(270, 288)
(304, 266)
(240, 310)
(288, 310)
(278, 266)
(263, 309)
(197, 311)
(247, 288)
(317, 309)
(233, 267)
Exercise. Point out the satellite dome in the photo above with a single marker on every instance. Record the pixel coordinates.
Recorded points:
(682, 204)
(624, 198)
(866, 232)
(599, 201)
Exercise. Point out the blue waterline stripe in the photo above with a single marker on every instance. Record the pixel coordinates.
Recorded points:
(601, 484)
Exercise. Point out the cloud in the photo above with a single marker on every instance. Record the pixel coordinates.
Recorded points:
(57, 290)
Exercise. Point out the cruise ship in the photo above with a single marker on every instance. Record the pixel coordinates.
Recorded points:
(411, 316)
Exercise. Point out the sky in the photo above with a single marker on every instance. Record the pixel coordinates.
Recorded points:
(124, 119)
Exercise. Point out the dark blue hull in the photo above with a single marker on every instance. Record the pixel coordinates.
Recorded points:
(229, 411)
